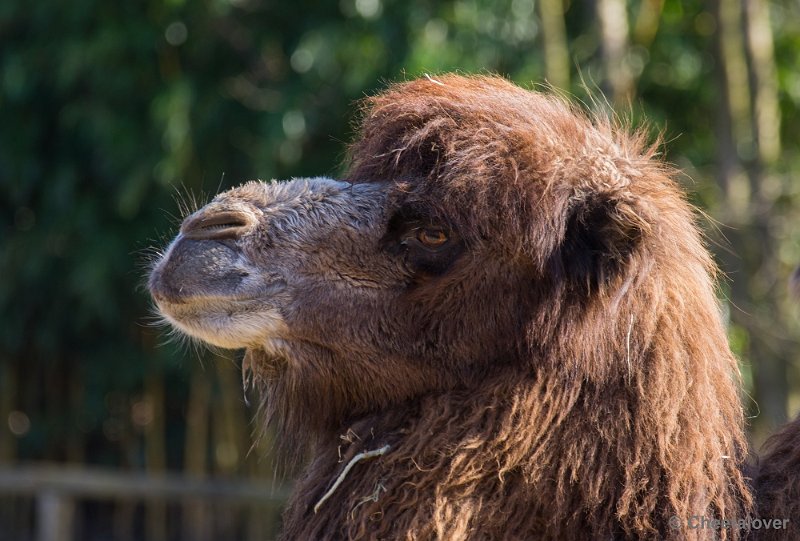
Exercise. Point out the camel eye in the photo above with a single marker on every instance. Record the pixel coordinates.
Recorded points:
(431, 238)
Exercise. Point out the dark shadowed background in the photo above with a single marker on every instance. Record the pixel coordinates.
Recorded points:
(115, 116)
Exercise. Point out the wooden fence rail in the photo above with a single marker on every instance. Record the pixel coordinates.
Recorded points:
(56, 489)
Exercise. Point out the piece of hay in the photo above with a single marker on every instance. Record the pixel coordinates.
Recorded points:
(360, 456)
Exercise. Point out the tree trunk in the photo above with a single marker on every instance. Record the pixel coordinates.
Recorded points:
(744, 89)
(554, 41)
(763, 81)
(613, 23)
(771, 380)
(644, 31)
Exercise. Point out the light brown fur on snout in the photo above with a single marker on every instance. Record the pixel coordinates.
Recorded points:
(500, 325)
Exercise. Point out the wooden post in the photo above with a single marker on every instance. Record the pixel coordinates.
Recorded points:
(54, 516)
(56, 489)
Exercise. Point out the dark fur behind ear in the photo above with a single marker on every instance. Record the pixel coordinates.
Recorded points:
(602, 232)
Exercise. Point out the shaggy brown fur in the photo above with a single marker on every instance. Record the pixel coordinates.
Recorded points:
(562, 372)
(626, 411)
(777, 483)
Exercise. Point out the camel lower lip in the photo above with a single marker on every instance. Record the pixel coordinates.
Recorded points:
(230, 325)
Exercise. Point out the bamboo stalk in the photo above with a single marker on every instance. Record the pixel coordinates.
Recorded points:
(8, 397)
(196, 524)
(155, 452)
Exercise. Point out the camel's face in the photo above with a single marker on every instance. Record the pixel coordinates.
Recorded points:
(316, 272)
(237, 265)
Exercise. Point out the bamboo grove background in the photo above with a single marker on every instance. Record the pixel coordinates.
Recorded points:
(113, 112)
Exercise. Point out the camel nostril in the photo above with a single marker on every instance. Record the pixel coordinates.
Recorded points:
(217, 225)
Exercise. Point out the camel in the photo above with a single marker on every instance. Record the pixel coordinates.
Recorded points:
(501, 323)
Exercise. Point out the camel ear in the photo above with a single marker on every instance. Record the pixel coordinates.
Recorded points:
(603, 230)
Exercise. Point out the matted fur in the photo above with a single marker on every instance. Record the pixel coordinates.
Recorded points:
(563, 374)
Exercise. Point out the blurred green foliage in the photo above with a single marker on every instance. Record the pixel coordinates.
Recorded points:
(112, 111)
